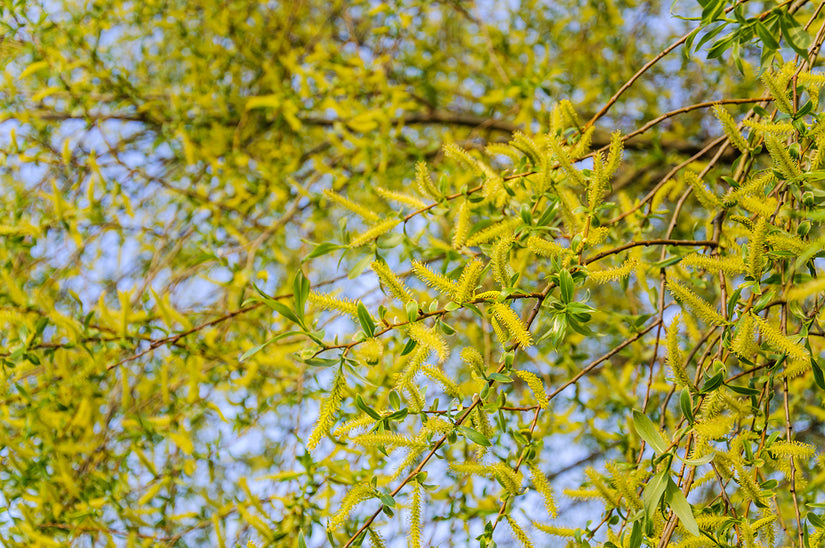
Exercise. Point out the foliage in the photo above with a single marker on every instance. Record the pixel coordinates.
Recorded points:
(330, 273)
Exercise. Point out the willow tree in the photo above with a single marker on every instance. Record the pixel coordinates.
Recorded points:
(351, 273)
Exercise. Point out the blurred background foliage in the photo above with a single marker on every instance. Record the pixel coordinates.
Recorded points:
(159, 157)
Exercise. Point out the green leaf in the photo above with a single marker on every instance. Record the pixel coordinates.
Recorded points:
(321, 362)
(816, 521)
(395, 399)
(474, 436)
(686, 404)
(500, 377)
(680, 506)
(653, 492)
(697, 462)
(408, 347)
(322, 249)
(566, 286)
(765, 35)
(301, 542)
(280, 308)
(648, 432)
(721, 45)
(744, 390)
(819, 379)
(796, 36)
(387, 500)
(360, 266)
(300, 290)
(361, 404)
(260, 347)
(412, 310)
(367, 323)
(636, 535)
(666, 262)
(712, 10)
(712, 383)
(398, 416)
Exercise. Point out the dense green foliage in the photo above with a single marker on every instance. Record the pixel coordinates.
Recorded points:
(426, 273)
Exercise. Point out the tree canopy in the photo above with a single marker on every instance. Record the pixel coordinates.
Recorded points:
(343, 273)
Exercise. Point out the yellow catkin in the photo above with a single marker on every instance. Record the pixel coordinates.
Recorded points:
(555, 531)
(614, 154)
(541, 485)
(386, 439)
(714, 428)
(562, 156)
(701, 307)
(729, 125)
(758, 204)
(613, 274)
(363, 212)
(626, 484)
(472, 469)
(327, 302)
(391, 282)
(473, 358)
(536, 387)
(401, 198)
(781, 157)
(755, 186)
(513, 323)
(468, 280)
(569, 202)
(359, 493)
(782, 241)
(441, 283)
(545, 248)
(501, 335)
(455, 152)
(518, 533)
(377, 230)
(608, 495)
(462, 225)
(436, 374)
(483, 422)
(597, 187)
(501, 260)
(412, 367)
(744, 344)
(756, 249)
(777, 89)
(364, 421)
(415, 516)
(582, 146)
(705, 196)
(510, 479)
(425, 182)
(793, 449)
(674, 356)
(661, 195)
(773, 128)
(528, 146)
(328, 409)
(414, 397)
(774, 336)
(502, 149)
(376, 539)
(803, 291)
(732, 266)
(818, 159)
(597, 236)
(492, 232)
(429, 339)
